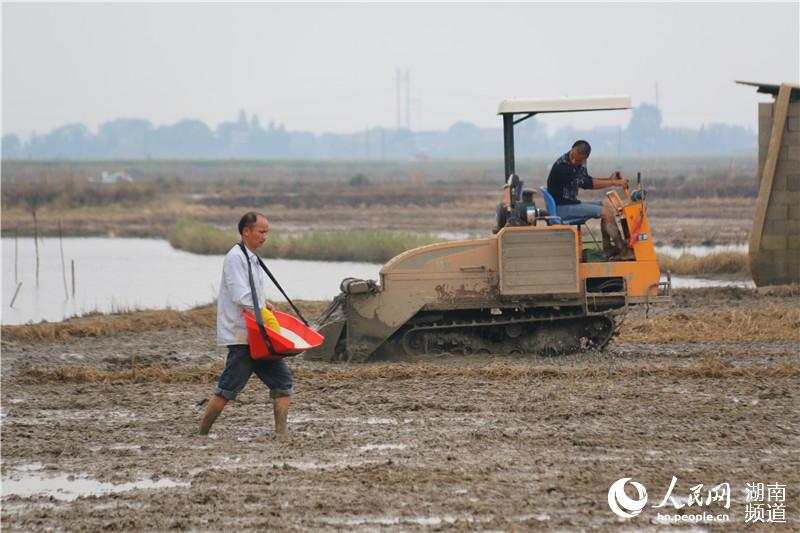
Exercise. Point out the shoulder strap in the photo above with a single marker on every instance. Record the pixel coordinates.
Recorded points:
(254, 295)
(275, 281)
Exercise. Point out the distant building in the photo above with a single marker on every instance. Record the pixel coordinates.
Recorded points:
(112, 177)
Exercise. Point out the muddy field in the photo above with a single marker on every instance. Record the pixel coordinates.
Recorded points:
(99, 433)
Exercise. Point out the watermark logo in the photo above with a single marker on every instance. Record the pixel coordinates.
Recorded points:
(766, 502)
(765, 506)
(621, 503)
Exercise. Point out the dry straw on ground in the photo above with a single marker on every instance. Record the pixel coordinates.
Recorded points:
(137, 374)
(765, 323)
(710, 366)
(132, 322)
(104, 325)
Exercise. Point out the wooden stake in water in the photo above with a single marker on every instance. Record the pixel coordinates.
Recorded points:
(14, 299)
(36, 244)
(16, 257)
(72, 263)
(63, 268)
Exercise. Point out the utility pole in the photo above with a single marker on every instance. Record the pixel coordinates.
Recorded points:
(656, 94)
(408, 100)
(397, 86)
(403, 95)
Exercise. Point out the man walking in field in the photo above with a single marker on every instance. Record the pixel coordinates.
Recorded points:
(569, 173)
(234, 297)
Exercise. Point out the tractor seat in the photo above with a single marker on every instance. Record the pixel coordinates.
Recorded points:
(553, 212)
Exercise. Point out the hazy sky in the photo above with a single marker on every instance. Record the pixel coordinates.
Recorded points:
(331, 67)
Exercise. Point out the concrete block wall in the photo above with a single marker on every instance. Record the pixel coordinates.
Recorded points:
(778, 259)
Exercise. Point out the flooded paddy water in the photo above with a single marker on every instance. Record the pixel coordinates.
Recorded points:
(118, 274)
(129, 274)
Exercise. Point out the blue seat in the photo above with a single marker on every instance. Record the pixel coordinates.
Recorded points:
(553, 211)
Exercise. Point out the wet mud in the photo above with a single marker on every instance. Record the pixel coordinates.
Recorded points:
(444, 443)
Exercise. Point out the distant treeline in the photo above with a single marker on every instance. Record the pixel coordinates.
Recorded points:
(246, 139)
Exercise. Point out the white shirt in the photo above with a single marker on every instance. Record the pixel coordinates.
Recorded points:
(234, 296)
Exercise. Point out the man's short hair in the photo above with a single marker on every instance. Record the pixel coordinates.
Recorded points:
(248, 220)
(583, 147)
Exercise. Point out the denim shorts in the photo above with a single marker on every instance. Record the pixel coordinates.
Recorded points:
(580, 210)
(239, 366)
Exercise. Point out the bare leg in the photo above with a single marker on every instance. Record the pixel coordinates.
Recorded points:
(215, 407)
(280, 407)
(613, 242)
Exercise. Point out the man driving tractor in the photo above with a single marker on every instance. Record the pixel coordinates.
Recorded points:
(566, 176)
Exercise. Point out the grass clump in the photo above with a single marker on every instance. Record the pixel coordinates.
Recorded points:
(373, 246)
(200, 237)
(717, 263)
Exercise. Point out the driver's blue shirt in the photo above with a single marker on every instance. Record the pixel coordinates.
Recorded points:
(565, 179)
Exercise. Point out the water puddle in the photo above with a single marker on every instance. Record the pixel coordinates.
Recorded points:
(373, 420)
(32, 467)
(28, 507)
(686, 282)
(541, 517)
(69, 487)
(677, 251)
(370, 420)
(134, 447)
(386, 520)
(317, 465)
(381, 447)
(307, 418)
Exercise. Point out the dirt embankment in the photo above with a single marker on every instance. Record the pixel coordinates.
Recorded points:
(705, 390)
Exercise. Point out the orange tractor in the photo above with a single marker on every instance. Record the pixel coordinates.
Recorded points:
(534, 286)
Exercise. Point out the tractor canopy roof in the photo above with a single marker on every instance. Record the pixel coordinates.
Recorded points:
(563, 105)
